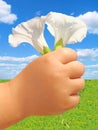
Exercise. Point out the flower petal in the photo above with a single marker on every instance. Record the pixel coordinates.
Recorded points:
(67, 28)
(77, 31)
(30, 32)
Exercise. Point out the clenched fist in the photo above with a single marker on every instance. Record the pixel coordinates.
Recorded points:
(48, 85)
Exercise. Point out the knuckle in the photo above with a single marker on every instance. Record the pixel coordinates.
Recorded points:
(72, 52)
(80, 66)
(80, 85)
(57, 77)
(75, 102)
(61, 51)
(82, 82)
(71, 103)
(47, 59)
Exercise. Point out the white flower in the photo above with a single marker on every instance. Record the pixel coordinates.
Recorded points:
(65, 29)
(30, 32)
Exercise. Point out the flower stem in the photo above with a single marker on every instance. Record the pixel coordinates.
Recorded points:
(46, 50)
(59, 44)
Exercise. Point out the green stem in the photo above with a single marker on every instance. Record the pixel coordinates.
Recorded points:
(59, 44)
(46, 50)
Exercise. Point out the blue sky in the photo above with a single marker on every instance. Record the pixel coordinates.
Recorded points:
(13, 12)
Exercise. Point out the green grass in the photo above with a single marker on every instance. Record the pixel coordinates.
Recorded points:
(2, 80)
(83, 117)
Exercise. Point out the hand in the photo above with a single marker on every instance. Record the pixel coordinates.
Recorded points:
(50, 84)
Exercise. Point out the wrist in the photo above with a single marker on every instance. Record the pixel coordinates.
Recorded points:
(10, 112)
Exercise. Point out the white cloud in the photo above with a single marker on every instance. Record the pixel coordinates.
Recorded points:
(91, 66)
(95, 73)
(12, 66)
(87, 53)
(91, 71)
(5, 13)
(91, 20)
(15, 59)
(91, 74)
(90, 57)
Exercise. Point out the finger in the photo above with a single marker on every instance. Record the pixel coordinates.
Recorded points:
(75, 69)
(65, 55)
(74, 100)
(76, 85)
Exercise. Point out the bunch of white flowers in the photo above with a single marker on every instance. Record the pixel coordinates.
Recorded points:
(65, 29)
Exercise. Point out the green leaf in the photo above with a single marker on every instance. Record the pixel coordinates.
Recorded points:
(46, 50)
(59, 44)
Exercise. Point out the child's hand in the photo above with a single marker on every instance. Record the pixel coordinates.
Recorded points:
(50, 84)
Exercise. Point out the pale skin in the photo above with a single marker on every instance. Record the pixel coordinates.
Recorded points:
(47, 86)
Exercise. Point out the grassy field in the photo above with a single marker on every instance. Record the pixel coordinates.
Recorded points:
(83, 117)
